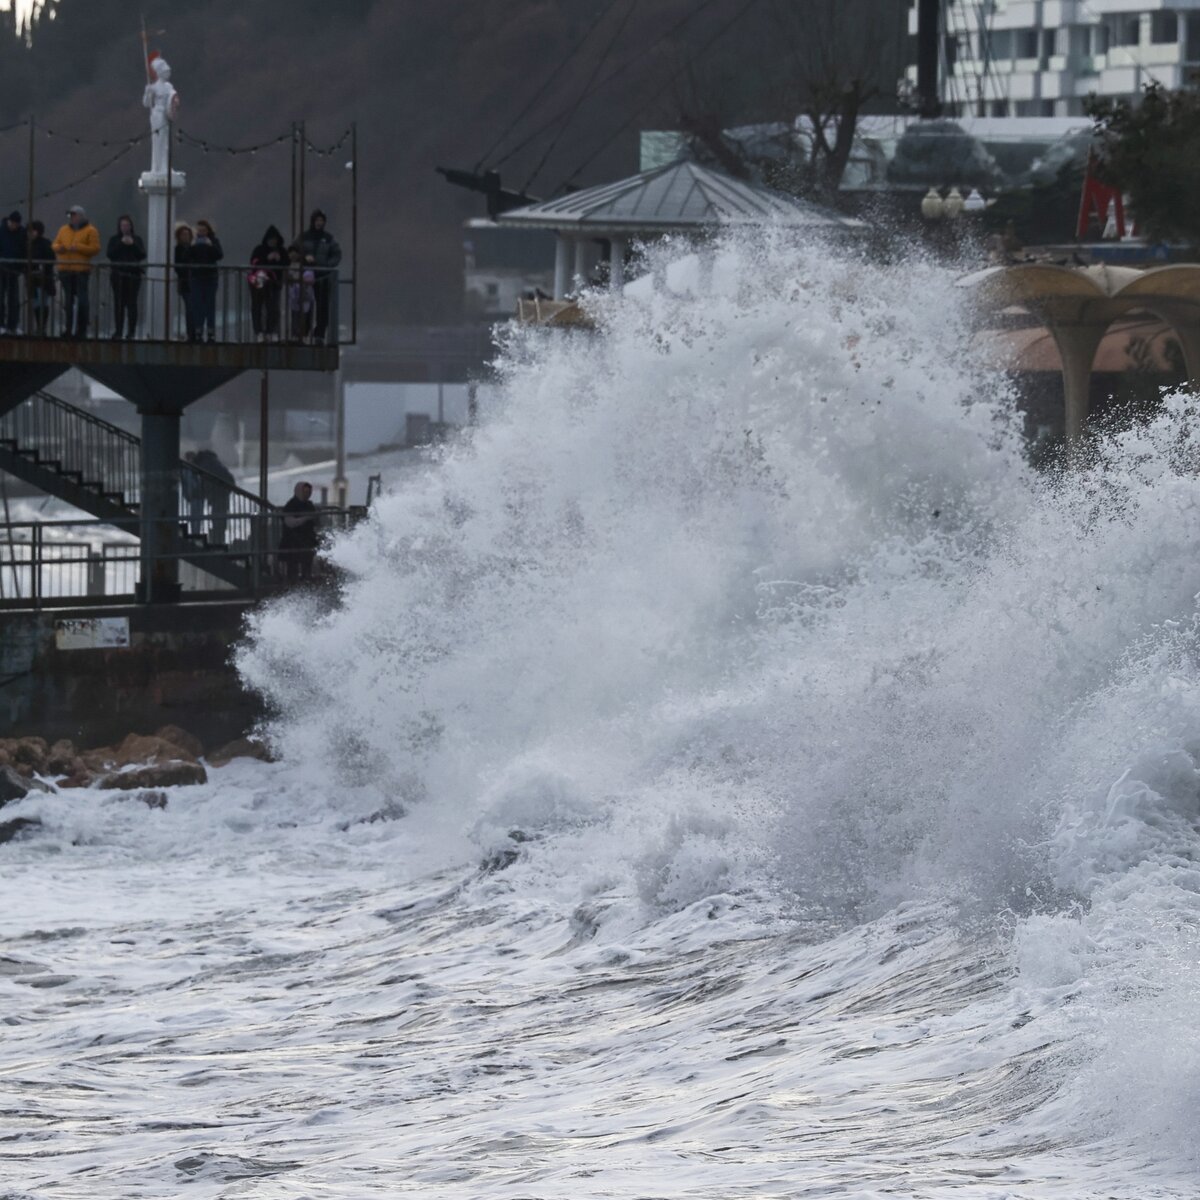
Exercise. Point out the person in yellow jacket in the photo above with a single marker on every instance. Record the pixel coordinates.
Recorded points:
(77, 243)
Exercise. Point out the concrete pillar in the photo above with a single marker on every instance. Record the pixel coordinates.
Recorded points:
(561, 267)
(1077, 348)
(1184, 320)
(159, 504)
(616, 264)
(1189, 341)
(160, 240)
(580, 272)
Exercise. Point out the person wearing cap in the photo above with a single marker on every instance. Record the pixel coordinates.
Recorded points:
(77, 243)
(12, 264)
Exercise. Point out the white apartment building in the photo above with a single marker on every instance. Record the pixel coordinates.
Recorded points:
(1043, 58)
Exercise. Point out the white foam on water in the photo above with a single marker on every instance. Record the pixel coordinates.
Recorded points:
(799, 798)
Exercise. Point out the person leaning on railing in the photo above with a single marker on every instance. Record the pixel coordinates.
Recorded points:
(40, 284)
(127, 253)
(77, 243)
(12, 251)
(206, 253)
(298, 538)
(265, 279)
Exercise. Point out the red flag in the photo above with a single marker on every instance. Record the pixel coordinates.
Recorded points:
(1097, 199)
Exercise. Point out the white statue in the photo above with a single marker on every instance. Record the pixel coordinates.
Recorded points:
(162, 100)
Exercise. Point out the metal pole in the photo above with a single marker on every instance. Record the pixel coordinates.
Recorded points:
(354, 232)
(293, 210)
(264, 432)
(340, 486)
(30, 320)
(300, 226)
(167, 249)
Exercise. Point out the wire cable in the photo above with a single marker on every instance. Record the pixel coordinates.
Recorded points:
(207, 146)
(637, 112)
(546, 85)
(66, 187)
(583, 95)
(105, 143)
(614, 74)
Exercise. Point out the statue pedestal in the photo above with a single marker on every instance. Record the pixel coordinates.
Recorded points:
(160, 242)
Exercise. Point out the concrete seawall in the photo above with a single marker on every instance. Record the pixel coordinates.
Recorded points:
(94, 676)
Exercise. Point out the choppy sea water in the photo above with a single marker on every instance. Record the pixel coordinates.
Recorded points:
(729, 772)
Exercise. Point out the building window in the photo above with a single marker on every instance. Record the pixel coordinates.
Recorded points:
(1101, 39)
(1192, 29)
(1027, 43)
(1164, 28)
(999, 108)
(1125, 30)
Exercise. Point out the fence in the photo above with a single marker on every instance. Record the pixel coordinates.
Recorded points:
(230, 304)
(46, 564)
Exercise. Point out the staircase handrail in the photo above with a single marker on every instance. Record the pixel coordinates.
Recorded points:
(76, 413)
(208, 476)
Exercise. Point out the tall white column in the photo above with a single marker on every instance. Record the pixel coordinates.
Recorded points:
(616, 264)
(159, 245)
(579, 273)
(561, 267)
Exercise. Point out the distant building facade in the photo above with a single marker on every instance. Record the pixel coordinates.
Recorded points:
(1043, 58)
(502, 266)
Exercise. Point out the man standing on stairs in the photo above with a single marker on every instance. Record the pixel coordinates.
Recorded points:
(12, 256)
(77, 243)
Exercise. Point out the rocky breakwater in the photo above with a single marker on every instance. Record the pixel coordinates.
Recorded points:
(143, 764)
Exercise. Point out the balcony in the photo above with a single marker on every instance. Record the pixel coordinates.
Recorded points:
(228, 323)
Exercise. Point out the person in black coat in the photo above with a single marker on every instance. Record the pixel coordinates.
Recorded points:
(323, 254)
(184, 237)
(267, 262)
(127, 253)
(298, 537)
(12, 259)
(206, 253)
(40, 285)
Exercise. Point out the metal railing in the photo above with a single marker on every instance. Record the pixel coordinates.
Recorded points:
(48, 564)
(232, 304)
(234, 515)
(105, 458)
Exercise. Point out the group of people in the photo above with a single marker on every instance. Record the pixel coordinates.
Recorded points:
(297, 279)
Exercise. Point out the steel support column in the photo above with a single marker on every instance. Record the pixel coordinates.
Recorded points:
(159, 504)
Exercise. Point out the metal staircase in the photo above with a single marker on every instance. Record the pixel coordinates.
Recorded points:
(97, 467)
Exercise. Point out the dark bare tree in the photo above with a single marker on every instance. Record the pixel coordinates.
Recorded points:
(820, 65)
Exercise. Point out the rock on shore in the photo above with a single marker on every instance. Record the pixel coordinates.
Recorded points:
(170, 757)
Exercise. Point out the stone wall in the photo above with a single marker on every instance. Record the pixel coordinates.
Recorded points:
(65, 675)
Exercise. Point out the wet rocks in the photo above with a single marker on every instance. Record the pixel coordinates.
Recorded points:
(17, 826)
(176, 773)
(239, 748)
(141, 763)
(14, 786)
